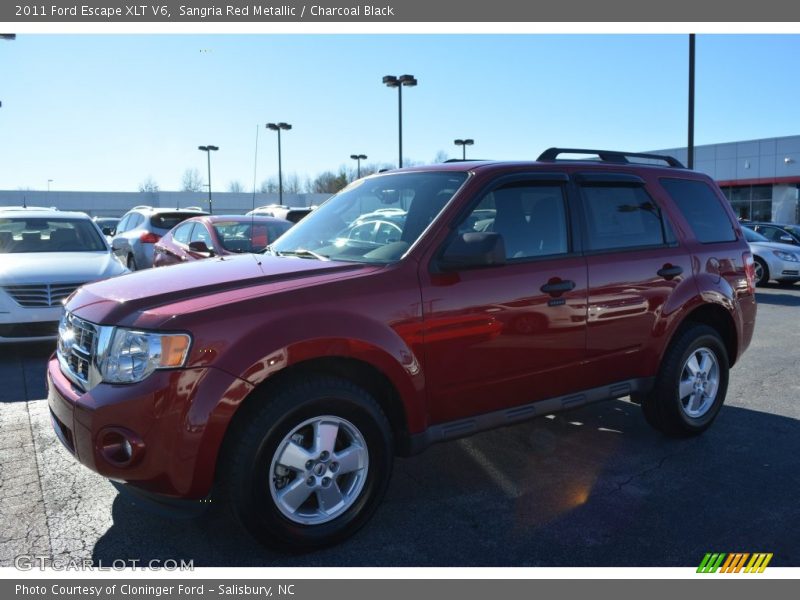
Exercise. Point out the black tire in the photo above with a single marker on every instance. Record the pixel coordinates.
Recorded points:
(131, 262)
(247, 480)
(662, 407)
(762, 272)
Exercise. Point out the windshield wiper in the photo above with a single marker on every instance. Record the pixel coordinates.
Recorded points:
(300, 252)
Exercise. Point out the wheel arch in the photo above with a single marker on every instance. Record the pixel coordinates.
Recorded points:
(718, 318)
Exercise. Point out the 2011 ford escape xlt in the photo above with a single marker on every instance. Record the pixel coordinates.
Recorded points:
(414, 307)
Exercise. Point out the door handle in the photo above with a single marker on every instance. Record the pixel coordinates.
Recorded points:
(557, 287)
(669, 271)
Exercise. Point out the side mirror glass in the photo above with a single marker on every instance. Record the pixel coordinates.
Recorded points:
(201, 248)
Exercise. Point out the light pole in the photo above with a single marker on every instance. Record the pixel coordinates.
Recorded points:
(398, 82)
(49, 181)
(277, 127)
(359, 158)
(690, 140)
(208, 150)
(464, 144)
(9, 37)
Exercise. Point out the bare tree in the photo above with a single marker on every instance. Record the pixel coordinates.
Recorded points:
(191, 181)
(291, 184)
(148, 185)
(268, 186)
(235, 187)
(441, 156)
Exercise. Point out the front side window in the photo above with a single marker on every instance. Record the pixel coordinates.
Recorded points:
(531, 219)
(373, 220)
(29, 234)
(201, 234)
(621, 216)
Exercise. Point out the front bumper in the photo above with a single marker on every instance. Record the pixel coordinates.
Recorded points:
(176, 419)
(18, 324)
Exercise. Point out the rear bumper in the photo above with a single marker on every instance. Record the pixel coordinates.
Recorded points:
(174, 420)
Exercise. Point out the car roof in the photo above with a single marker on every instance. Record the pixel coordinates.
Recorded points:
(239, 218)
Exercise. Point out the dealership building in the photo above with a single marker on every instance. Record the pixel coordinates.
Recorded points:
(760, 178)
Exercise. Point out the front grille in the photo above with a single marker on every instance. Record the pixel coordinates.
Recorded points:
(29, 330)
(41, 295)
(77, 344)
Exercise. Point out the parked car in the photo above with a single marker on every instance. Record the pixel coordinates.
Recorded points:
(139, 230)
(204, 237)
(780, 262)
(108, 225)
(280, 211)
(282, 385)
(45, 255)
(782, 234)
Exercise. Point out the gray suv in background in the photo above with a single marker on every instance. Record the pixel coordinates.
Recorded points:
(141, 227)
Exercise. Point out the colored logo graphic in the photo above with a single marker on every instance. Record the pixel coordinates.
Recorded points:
(735, 562)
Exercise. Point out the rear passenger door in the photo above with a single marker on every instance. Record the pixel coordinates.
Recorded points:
(635, 265)
(511, 334)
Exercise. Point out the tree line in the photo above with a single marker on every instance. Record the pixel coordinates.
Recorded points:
(327, 182)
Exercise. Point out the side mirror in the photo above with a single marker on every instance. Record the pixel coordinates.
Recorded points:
(109, 231)
(474, 249)
(201, 248)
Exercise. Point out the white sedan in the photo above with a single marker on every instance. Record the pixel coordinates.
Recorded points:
(46, 254)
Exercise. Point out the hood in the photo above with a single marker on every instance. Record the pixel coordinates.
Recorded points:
(112, 301)
(57, 267)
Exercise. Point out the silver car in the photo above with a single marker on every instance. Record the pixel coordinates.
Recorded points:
(139, 230)
(773, 261)
(45, 255)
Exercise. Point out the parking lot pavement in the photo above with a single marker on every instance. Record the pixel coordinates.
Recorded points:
(591, 487)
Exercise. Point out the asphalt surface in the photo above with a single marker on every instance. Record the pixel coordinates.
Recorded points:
(591, 487)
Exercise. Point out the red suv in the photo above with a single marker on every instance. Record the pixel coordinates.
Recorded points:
(281, 385)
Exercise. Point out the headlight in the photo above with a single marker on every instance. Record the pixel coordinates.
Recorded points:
(134, 355)
(789, 256)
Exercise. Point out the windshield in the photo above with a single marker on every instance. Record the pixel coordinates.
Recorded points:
(248, 236)
(31, 234)
(752, 236)
(373, 220)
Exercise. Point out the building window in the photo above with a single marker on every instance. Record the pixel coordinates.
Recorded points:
(751, 202)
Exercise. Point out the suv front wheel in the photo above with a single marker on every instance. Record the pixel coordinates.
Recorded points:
(691, 384)
(307, 467)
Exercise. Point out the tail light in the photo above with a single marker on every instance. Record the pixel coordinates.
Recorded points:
(148, 237)
(750, 272)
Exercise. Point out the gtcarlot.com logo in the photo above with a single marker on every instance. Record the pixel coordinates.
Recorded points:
(737, 562)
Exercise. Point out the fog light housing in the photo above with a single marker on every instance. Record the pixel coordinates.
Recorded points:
(119, 447)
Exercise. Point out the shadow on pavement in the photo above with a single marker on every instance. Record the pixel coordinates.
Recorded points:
(592, 487)
(22, 371)
(778, 299)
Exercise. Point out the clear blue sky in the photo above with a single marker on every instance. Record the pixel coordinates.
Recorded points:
(105, 112)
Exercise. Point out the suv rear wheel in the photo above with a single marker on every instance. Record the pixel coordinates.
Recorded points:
(691, 384)
(308, 468)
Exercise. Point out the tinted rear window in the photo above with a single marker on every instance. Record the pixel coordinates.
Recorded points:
(702, 209)
(621, 216)
(169, 220)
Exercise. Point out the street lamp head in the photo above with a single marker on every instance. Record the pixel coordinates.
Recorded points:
(208, 148)
(284, 125)
(358, 156)
(272, 126)
(469, 142)
(407, 80)
(390, 81)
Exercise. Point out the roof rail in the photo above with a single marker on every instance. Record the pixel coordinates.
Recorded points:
(612, 156)
(141, 206)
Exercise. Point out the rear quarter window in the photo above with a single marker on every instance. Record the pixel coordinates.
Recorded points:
(702, 209)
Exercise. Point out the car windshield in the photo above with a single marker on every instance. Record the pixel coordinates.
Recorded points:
(373, 220)
(248, 236)
(49, 234)
(752, 236)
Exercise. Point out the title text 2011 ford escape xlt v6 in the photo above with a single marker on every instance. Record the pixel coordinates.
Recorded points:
(415, 306)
